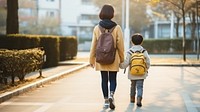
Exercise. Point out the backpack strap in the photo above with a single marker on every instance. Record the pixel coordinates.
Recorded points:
(143, 50)
(104, 29)
(101, 29)
(130, 52)
(111, 30)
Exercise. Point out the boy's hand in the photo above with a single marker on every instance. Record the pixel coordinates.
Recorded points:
(124, 70)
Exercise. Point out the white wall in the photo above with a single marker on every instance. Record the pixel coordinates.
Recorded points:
(70, 10)
(71, 16)
(48, 4)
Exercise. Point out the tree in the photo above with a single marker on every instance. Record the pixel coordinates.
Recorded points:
(139, 19)
(2, 20)
(182, 7)
(166, 9)
(192, 15)
(2, 16)
(12, 26)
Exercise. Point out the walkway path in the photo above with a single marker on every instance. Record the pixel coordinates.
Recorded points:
(167, 89)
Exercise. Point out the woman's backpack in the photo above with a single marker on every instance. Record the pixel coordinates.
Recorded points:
(105, 49)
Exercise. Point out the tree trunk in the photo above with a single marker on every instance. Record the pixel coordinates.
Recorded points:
(193, 24)
(177, 27)
(184, 36)
(12, 26)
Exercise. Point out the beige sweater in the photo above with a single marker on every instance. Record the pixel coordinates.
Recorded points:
(119, 57)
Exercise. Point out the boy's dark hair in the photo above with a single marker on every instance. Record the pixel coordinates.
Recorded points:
(107, 12)
(137, 39)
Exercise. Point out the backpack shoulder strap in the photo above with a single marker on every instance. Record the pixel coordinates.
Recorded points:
(101, 29)
(143, 50)
(111, 30)
(104, 29)
(130, 52)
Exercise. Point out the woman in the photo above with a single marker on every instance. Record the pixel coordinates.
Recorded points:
(109, 71)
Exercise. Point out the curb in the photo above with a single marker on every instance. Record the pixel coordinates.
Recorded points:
(7, 95)
(178, 65)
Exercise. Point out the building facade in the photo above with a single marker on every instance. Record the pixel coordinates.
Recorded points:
(39, 16)
(78, 19)
(80, 16)
(167, 29)
(73, 18)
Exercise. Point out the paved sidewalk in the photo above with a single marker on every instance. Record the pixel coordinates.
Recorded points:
(174, 90)
(49, 74)
(82, 57)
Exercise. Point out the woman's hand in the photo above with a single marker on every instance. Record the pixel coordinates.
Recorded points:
(92, 65)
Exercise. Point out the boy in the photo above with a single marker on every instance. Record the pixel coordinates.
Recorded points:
(136, 81)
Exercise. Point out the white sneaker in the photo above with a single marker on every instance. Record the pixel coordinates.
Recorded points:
(111, 101)
(106, 104)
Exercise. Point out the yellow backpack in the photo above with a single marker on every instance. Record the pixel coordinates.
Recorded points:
(138, 63)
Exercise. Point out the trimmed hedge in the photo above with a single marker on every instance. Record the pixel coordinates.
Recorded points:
(51, 48)
(168, 45)
(68, 47)
(19, 41)
(55, 47)
(18, 63)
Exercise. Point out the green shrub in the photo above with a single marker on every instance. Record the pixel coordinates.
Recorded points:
(68, 47)
(19, 41)
(56, 48)
(18, 63)
(51, 48)
(167, 45)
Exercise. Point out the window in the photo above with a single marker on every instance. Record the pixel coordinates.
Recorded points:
(89, 17)
(50, 14)
(88, 2)
(50, 0)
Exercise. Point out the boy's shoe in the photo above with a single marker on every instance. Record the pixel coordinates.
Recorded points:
(112, 105)
(106, 104)
(139, 101)
(132, 99)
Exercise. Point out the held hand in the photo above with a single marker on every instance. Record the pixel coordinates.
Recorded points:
(92, 65)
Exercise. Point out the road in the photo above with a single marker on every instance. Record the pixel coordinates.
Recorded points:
(166, 89)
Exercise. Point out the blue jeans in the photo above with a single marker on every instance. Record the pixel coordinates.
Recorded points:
(139, 85)
(108, 76)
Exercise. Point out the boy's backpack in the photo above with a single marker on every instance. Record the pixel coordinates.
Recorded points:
(105, 49)
(138, 63)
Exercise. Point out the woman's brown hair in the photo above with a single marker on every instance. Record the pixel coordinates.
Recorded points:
(107, 12)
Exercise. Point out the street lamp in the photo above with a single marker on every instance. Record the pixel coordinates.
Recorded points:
(197, 6)
(172, 25)
(127, 30)
(123, 14)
